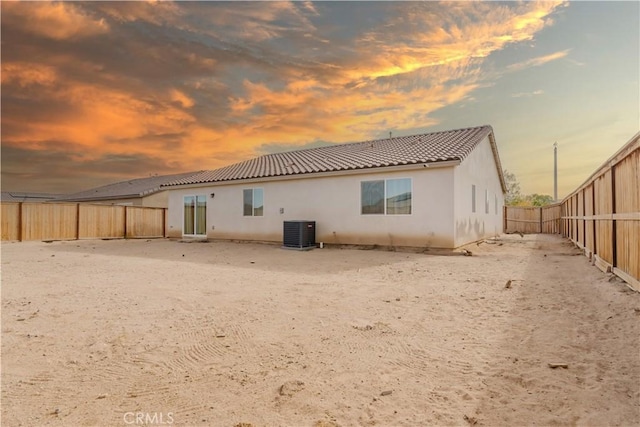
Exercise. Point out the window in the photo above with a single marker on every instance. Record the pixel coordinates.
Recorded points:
(473, 198)
(390, 197)
(486, 201)
(398, 196)
(195, 214)
(253, 202)
(372, 197)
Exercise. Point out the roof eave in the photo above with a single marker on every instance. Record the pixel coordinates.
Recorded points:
(496, 157)
(150, 191)
(309, 175)
(91, 199)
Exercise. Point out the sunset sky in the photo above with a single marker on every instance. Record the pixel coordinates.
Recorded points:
(94, 93)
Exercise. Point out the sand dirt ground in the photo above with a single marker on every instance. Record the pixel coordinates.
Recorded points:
(127, 332)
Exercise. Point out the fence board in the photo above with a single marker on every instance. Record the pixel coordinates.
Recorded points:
(564, 220)
(101, 221)
(10, 221)
(523, 219)
(604, 228)
(570, 214)
(580, 222)
(627, 201)
(145, 222)
(574, 213)
(551, 219)
(590, 224)
(533, 219)
(602, 215)
(41, 221)
(70, 221)
(611, 213)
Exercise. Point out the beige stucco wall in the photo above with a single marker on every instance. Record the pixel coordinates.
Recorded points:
(478, 168)
(334, 203)
(156, 200)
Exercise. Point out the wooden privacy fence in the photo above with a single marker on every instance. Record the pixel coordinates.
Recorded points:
(529, 220)
(70, 221)
(603, 215)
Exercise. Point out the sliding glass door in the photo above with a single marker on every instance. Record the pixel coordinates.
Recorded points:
(195, 214)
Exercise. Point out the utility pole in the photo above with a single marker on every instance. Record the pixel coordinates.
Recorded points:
(555, 171)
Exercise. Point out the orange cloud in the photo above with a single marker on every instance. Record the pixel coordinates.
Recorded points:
(184, 101)
(27, 74)
(155, 12)
(181, 98)
(348, 106)
(57, 21)
(103, 121)
(368, 93)
(540, 60)
(488, 28)
(294, 117)
(259, 21)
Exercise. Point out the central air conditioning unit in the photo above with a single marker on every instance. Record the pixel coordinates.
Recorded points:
(299, 234)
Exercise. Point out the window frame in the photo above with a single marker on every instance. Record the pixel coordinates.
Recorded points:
(486, 201)
(473, 198)
(196, 224)
(385, 198)
(253, 202)
(382, 201)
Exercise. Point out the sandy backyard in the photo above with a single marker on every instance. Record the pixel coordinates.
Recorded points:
(126, 332)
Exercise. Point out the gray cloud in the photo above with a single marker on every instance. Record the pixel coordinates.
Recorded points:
(131, 88)
(49, 171)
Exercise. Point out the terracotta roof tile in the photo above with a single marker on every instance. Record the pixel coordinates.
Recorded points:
(20, 196)
(415, 149)
(137, 187)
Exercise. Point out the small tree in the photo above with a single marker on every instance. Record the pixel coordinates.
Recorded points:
(536, 199)
(513, 196)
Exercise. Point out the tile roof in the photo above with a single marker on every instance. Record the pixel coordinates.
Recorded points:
(138, 187)
(415, 149)
(21, 196)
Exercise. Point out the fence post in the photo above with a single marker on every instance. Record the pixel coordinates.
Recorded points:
(584, 220)
(164, 222)
(561, 220)
(565, 221)
(540, 222)
(574, 221)
(125, 222)
(504, 218)
(77, 221)
(20, 234)
(614, 249)
(593, 212)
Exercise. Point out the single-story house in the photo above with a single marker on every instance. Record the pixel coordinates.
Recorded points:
(133, 192)
(434, 190)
